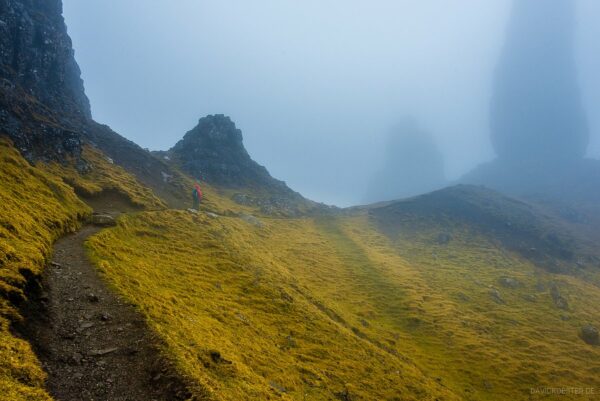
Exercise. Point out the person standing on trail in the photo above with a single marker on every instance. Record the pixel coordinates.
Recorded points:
(197, 196)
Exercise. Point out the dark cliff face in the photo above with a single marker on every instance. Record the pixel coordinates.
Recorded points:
(36, 54)
(42, 102)
(214, 152)
(43, 106)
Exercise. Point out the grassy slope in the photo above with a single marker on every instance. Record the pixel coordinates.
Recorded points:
(105, 176)
(37, 208)
(223, 286)
(322, 307)
(313, 308)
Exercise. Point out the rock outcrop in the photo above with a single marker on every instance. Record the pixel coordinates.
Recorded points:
(538, 123)
(536, 108)
(214, 152)
(42, 102)
(43, 106)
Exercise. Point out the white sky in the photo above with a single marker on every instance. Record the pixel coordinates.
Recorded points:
(313, 84)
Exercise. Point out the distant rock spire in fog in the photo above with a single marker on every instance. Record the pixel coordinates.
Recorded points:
(538, 123)
(536, 109)
(412, 165)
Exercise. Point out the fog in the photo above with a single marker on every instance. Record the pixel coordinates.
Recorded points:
(315, 86)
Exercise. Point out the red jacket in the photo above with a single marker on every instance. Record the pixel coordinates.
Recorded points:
(198, 191)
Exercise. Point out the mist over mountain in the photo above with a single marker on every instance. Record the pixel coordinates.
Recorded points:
(536, 110)
(193, 274)
(412, 164)
(539, 126)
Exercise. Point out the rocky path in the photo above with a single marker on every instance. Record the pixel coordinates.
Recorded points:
(93, 345)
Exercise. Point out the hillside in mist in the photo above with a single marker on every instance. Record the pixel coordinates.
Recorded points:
(194, 274)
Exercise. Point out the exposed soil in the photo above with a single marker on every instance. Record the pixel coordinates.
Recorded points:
(92, 344)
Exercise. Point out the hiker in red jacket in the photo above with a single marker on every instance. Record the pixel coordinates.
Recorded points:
(197, 196)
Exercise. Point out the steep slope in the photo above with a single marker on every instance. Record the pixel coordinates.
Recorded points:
(42, 103)
(458, 294)
(351, 307)
(37, 208)
(237, 308)
(43, 106)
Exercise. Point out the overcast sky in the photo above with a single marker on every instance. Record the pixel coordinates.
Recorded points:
(314, 85)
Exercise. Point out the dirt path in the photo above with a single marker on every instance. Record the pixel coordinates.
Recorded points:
(93, 345)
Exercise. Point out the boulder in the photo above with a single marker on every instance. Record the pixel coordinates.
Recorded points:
(496, 297)
(248, 218)
(103, 220)
(590, 335)
(559, 301)
(509, 282)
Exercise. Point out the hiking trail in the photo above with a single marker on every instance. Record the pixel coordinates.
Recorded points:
(92, 344)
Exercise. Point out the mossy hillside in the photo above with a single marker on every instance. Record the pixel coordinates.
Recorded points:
(330, 305)
(104, 176)
(503, 348)
(256, 313)
(36, 208)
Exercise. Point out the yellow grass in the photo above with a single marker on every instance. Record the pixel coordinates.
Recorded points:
(36, 209)
(316, 308)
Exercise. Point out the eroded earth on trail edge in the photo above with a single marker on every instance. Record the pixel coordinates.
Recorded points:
(92, 344)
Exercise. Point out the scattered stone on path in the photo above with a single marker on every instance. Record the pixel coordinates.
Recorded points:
(84, 326)
(101, 352)
(103, 220)
(77, 357)
(94, 352)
